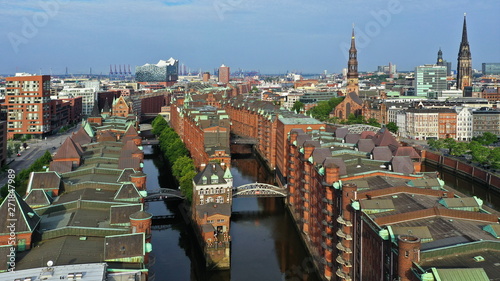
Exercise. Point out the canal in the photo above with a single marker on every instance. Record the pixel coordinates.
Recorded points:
(490, 197)
(265, 243)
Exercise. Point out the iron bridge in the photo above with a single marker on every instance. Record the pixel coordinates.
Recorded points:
(259, 190)
(163, 194)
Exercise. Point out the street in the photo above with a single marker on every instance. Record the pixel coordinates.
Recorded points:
(36, 150)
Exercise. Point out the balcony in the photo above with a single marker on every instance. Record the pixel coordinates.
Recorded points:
(341, 220)
(341, 261)
(341, 234)
(341, 247)
(328, 201)
(324, 234)
(326, 212)
(326, 247)
(329, 224)
(343, 275)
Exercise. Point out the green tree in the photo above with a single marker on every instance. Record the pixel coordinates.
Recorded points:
(182, 165)
(298, 106)
(486, 138)
(186, 185)
(320, 111)
(158, 124)
(391, 126)
(373, 122)
(459, 148)
(494, 158)
(435, 144)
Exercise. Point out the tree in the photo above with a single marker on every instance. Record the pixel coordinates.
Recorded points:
(158, 124)
(182, 166)
(486, 138)
(391, 126)
(435, 144)
(321, 111)
(298, 106)
(459, 148)
(373, 122)
(186, 185)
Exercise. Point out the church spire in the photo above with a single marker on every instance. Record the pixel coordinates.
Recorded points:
(464, 67)
(464, 30)
(352, 66)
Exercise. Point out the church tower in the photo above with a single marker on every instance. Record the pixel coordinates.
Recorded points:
(464, 68)
(352, 68)
(440, 58)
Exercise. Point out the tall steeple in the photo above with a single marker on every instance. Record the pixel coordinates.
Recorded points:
(464, 67)
(352, 67)
(440, 58)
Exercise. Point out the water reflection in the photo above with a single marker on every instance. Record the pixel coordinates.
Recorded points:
(467, 186)
(265, 243)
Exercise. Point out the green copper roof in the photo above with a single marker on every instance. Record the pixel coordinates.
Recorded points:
(227, 174)
(460, 274)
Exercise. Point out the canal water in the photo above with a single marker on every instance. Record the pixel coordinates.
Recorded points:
(265, 243)
(490, 197)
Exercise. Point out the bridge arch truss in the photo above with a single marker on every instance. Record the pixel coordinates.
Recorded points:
(259, 190)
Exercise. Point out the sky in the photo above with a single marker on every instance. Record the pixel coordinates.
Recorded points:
(270, 36)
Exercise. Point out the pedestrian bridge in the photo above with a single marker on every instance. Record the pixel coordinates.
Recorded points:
(163, 194)
(259, 190)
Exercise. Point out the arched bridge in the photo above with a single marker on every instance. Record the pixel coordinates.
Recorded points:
(259, 190)
(163, 194)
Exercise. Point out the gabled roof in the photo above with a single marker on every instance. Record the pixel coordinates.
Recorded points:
(38, 198)
(129, 162)
(127, 191)
(61, 166)
(365, 145)
(341, 132)
(454, 203)
(211, 169)
(402, 164)
(44, 180)
(211, 209)
(106, 107)
(95, 110)
(125, 175)
(407, 151)
(81, 137)
(131, 131)
(355, 98)
(382, 153)
(352, 138)
(460, 274)
(26, 219)
(120, 214)
(126, 246)
(68, 150)
(131, 146)
(385, 138)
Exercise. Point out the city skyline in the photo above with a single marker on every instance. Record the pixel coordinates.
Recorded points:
(252, 35)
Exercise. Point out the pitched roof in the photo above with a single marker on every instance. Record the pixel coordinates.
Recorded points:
(26, 219)
(407, 151)
(81, 137)
(95, 110)
(212, 169)
(421, 232)
(131, 131)
(213, 209)
(385, 138)
(352, 138)
(462, 202)
(38, 198)
(341, 132)
(120, 214)
(127, 191)
(129, 162)
(68, 150)
(355, 98)
(123, 246)
(382, 153)
(44, 180)
(61, 166)
(460, 274)
(106, 107)
(365, 145)
(402, 164)
(375, 204)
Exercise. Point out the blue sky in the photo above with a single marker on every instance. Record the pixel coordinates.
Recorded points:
(272, 36)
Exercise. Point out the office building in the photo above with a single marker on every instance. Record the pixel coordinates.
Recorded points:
(491, 68)
(430, 78)
(224, 74)
(441, 61)
(88, 97)
(28, 105)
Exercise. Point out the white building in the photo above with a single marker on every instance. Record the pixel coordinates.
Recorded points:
(422, 124)
(401, 123)
(464, 123)
(88, 97)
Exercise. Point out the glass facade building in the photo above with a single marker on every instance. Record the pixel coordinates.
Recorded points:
(430, 79)
(163, 71)
(491, 68)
